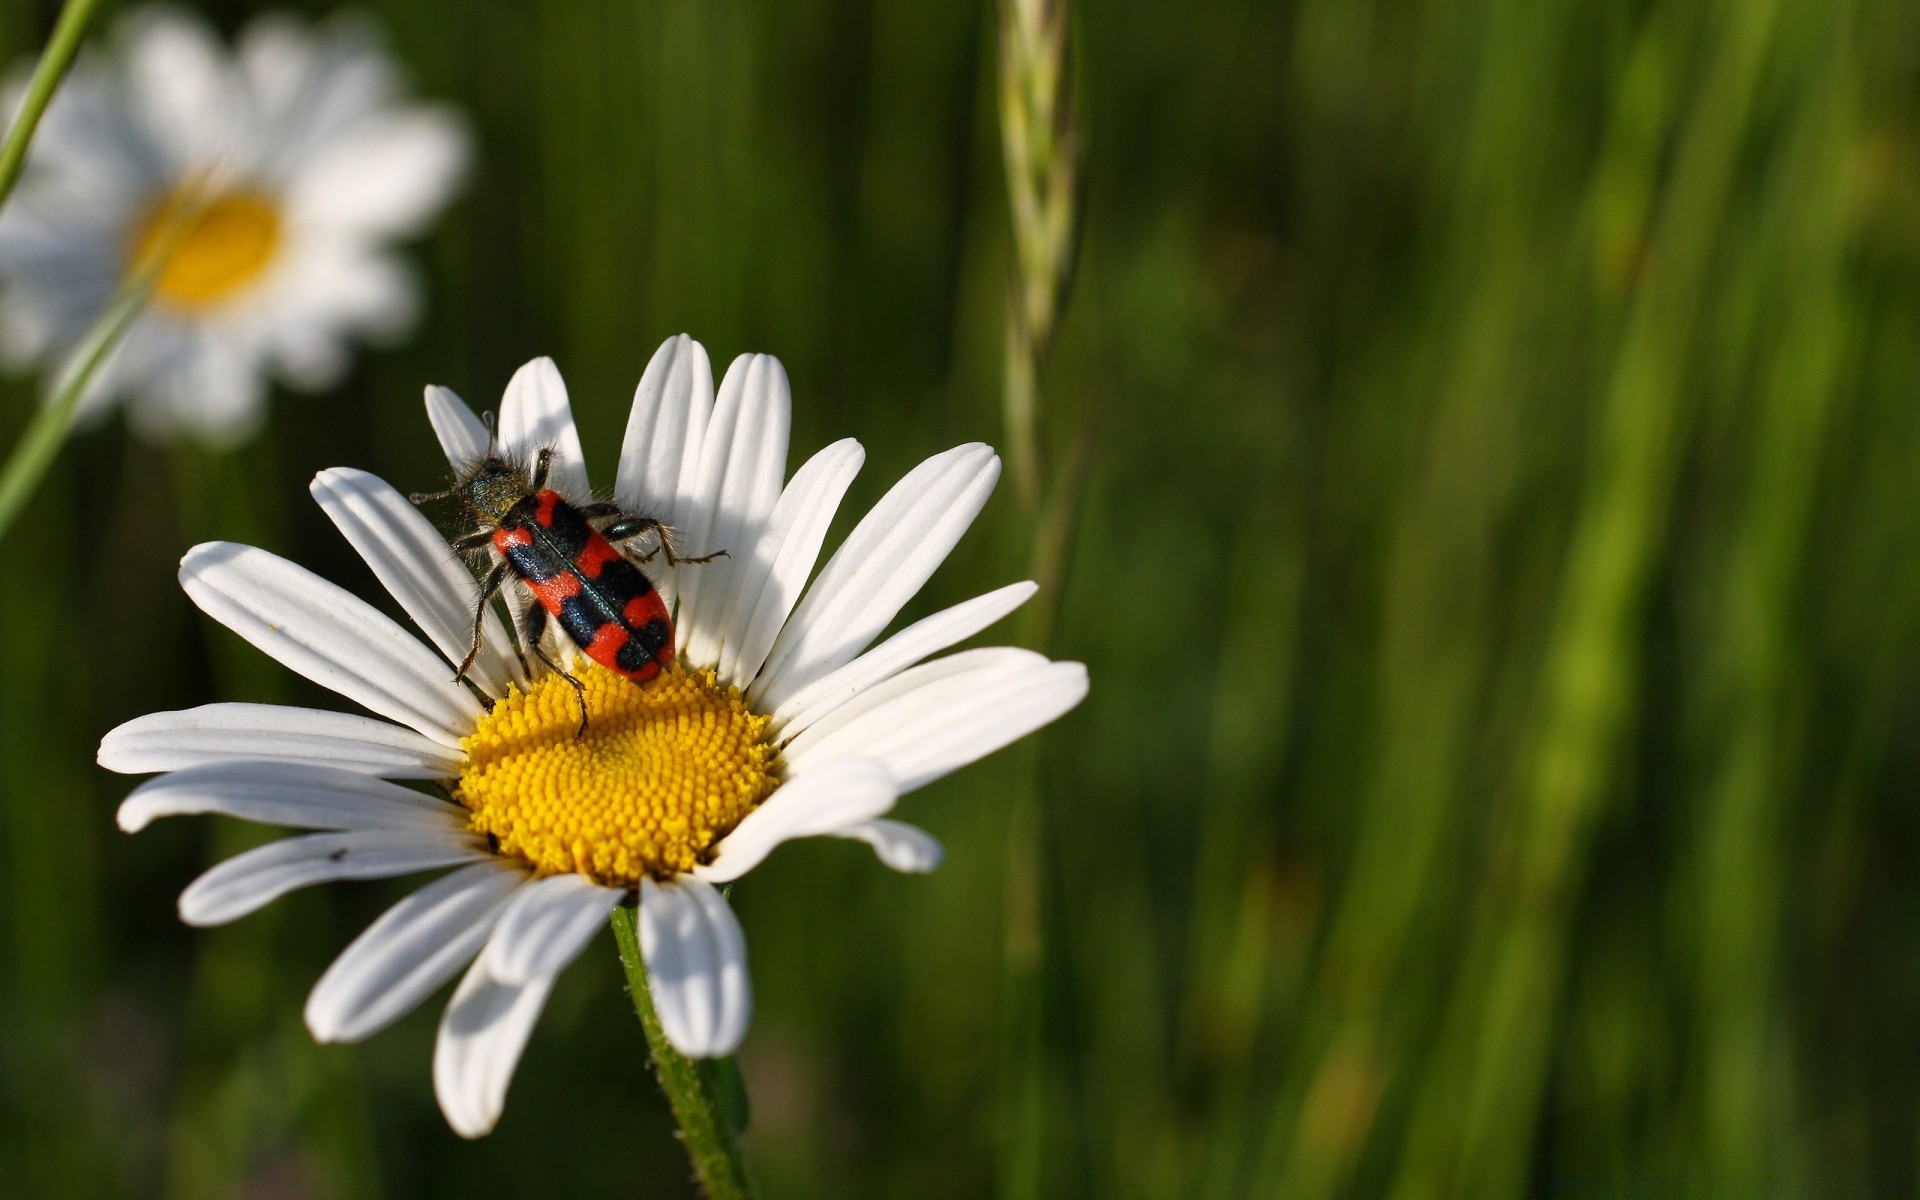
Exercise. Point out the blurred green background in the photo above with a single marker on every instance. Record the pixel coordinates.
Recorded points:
(1499, 571)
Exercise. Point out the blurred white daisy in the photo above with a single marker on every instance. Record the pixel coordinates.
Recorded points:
(775, 721)
(300, 166)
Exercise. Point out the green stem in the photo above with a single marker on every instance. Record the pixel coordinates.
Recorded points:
(47, 432)
(1040, 148)
(52, 68)
(1022, 413)
(695, 1090)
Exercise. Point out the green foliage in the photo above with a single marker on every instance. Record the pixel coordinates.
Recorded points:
(1499, 573)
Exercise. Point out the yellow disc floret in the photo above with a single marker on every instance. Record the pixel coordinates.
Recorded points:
(663, 771)
(218, 246)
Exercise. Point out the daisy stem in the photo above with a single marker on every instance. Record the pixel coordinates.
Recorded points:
(695, 1090)
(48, 429)
(52, 68)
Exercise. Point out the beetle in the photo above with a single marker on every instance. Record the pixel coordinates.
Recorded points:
(567, 556)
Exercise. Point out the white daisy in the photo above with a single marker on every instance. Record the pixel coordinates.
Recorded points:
(775, 721)
(302, 164)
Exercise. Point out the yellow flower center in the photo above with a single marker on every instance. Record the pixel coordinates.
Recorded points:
(664, 770)
(217, 251)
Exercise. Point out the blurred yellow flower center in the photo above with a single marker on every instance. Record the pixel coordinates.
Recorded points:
(217, 251)
(664, 770)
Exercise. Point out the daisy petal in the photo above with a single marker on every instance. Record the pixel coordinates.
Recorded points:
(546, 924)
(839, 794)
(924, 724)
(742, 462)
(312, 82)
(385, 177)
(882, 564)
(771, 577)
(208, 385)
(417, 567)
(250, 881)
(482, 1033)
(279, 57)
(928, 636)
(183, 86)
(899, 845)
(696, 966)
(535, 415)
(660, 455)
(296, 796)
(465, 439)
(412, 949)
(968, 668)
(329, 635)
(222, 733)
(463, 436)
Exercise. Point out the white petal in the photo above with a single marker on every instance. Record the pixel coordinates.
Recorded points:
(660, 455)
(974, 668)
(463, 436)
(412, 949)
(883, 562)
(292, 795)
(827, 800)
(465, 439)
(899, 845)
(385, 177)
(927, 636)
(309, 353)
(547, 923)
(311, 82)
(212, 388)
(325, 289)
(742, 463)
(945, 722)
(482, 1034)
(770, 577)
(329, 635)
(221, 733)
(419, 569)
(535, 415)
(183, 86)
(249, 881)
(696, 966)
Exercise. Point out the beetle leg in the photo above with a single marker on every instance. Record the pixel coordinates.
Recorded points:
(488, 588)
(542, 464)
(532, 623)
(469, 542)
(536, 626)
(627, 528)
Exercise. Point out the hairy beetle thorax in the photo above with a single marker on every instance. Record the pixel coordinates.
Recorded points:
(492, 487)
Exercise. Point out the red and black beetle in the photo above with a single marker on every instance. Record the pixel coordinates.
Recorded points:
(568, 558)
